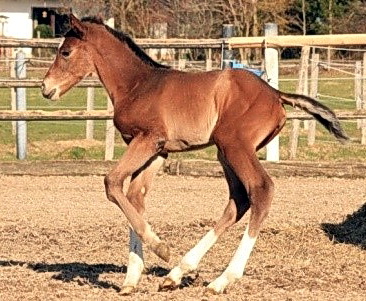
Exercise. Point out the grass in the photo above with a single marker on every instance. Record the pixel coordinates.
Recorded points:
(65, 140)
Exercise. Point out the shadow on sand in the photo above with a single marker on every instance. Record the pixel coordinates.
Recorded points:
(351, 231)
(83, 273)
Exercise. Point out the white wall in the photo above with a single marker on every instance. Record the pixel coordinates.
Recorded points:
(19, 12)
(20, 24)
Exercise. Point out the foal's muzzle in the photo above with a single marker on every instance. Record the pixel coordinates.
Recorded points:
(47, 94)
(50, 94)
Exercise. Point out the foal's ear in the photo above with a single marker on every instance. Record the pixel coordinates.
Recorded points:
(79, 27)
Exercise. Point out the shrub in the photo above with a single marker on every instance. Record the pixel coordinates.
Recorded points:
(45, 33)
(45, 30)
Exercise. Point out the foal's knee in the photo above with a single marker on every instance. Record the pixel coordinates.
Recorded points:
(113, 184)
(135, 195)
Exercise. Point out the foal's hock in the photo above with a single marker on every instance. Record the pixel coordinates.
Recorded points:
(159, 110)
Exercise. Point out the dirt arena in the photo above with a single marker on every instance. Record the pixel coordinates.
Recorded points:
(61, 239)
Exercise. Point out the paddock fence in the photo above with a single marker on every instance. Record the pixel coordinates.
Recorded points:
(308, 85)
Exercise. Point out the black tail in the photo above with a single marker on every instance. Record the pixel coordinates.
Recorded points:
(320, 112)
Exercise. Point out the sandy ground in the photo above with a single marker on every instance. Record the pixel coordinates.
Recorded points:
(61, 239)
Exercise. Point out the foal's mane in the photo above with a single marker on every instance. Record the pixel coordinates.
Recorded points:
(124, 38)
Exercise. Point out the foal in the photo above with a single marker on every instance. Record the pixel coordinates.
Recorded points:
(159, 110)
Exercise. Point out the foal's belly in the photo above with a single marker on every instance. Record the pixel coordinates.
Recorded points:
(181, 145)
(187, 136)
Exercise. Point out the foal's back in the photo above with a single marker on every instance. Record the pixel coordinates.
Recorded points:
(190, 107)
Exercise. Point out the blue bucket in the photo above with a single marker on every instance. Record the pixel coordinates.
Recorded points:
(236, 65)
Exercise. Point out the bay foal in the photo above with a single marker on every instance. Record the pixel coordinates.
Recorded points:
(159, 110)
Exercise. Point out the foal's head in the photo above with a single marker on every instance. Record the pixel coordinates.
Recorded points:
(73, 60)
(79, 53)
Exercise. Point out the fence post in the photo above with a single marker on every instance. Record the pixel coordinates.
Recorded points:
(181, 60)
(209, 60)
(313, 93)
(39, 50)
(109, 135)
(301, 89)
(228, 54)
(271, 67)
(363, 101)
(110, 129)
(302, 86)
(358, 89)
(13, 98)
(305, 79)
(89, 107)
(21, 126)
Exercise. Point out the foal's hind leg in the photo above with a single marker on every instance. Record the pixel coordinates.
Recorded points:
(236, 208)
(138, 189)
(260, 191)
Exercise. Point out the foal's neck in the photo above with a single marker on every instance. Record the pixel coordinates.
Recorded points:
(120, 69)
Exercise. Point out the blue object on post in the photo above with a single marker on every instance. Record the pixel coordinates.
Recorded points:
(236, 65)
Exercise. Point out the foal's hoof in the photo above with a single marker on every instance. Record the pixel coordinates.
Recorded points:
(167, 285)
(162, 250)
(127, 290)
(209, 291)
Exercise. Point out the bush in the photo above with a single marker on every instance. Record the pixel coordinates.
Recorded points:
(46, 33)
(45, 30)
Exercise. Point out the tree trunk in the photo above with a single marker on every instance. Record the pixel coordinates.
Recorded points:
(255, 30)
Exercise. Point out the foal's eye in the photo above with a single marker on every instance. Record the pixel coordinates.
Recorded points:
(65, 53)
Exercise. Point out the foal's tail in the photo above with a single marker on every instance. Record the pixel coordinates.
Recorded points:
(320, 112)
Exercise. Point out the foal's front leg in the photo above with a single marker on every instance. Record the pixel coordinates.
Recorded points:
(140, 152)
(138, 189)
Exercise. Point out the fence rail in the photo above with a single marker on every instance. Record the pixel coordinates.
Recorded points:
(298, 40)
(234, 42)
(36, 83)
(40, 115)
(144, 43)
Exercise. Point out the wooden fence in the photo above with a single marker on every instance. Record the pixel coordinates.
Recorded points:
(40, 115)
(277, 41)
(309, 87)
(232, 42)
(64, 115)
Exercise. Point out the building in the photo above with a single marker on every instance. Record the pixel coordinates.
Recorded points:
(18, 18)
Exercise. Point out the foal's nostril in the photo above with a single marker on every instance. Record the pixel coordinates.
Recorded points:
(53, 92)
(43, 86)
(50, 94)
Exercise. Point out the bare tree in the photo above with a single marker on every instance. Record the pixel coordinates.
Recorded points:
(85, 7)
(303, 9)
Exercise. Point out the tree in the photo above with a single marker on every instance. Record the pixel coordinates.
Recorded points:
(204, 18)
(319, 17)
